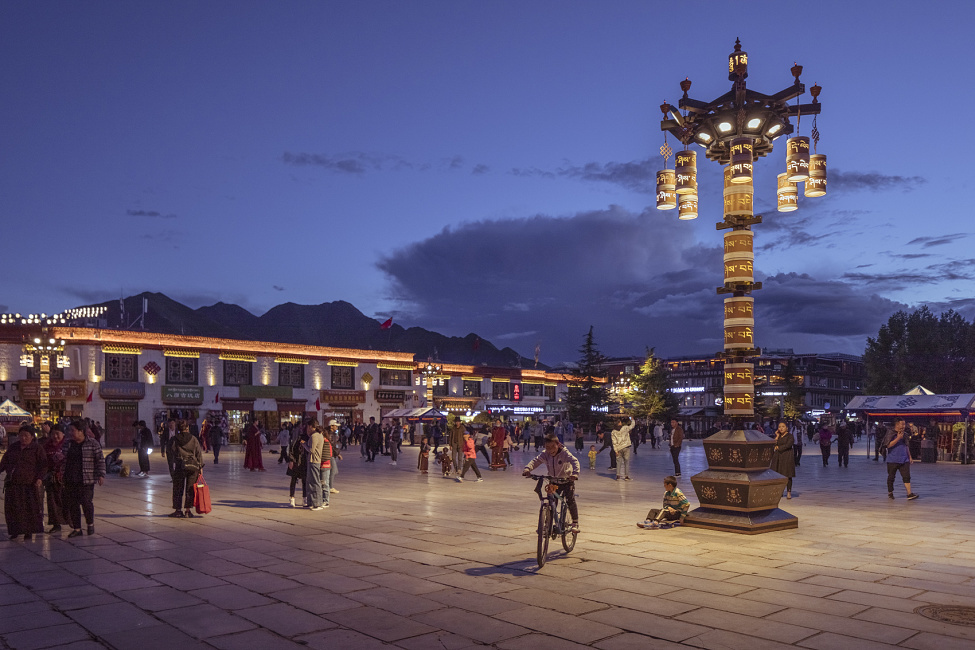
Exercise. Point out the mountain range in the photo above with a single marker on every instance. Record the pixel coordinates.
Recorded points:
(333, 324)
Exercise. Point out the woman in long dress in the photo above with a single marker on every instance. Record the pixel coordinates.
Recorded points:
(25, 464)
(252, 455)
(783, 458)
(423, 462)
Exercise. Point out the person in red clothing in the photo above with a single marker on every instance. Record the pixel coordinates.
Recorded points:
(498, 434)
(252, 455)
(470, 458)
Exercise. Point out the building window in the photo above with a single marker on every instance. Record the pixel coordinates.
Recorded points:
(236, 373)
(121, 367)
(343, 377)
(531, 390)
(291, 374)
(181, 371)
(394, 377)
(440, 388)
(472, 388)
(501, 391)
(550, 393)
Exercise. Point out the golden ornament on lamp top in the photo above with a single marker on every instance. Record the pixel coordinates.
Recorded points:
(666, 191)
(797, 159)
(685, 171)
(787, 194)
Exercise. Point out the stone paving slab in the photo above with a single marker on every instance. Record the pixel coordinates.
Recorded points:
(427, 563)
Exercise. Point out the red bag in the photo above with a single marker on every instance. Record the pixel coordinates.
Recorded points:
(201, 496)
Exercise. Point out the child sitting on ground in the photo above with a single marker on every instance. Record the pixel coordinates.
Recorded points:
(592, 456)
(445, 461)
(675, 508)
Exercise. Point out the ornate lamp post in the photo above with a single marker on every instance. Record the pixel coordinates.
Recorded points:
(739, 493)
(44, 348)
(431, 371)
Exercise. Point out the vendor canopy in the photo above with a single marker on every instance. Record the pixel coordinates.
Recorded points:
(417, 415)
(10, 411)
(913, 403)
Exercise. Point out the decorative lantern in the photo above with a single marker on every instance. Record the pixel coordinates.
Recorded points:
(739, 389)
(738, 200)
(687, 206)
(787, 194)
(741, 160)
(666, 192)
(816, 183)
(686, 172)
(797, 159)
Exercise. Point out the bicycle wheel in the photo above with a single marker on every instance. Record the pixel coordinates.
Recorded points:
(568, 536)
(544, 532)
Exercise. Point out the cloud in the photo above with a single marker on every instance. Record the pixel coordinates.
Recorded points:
(165, 237)
(150, 214)
(941, 240)
(513, 335)
(5, 309)
(480, 169)
(358, 163)
(840, 180)
(277, 288)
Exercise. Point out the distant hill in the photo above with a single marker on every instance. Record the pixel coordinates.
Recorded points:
(335, 324)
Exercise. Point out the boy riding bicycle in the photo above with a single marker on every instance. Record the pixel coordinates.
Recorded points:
(559, 463)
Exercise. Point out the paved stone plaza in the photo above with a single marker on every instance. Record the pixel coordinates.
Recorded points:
(413, 561)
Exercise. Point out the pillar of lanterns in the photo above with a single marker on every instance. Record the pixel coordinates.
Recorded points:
(431, 371)
(739, 493)
(44, 349)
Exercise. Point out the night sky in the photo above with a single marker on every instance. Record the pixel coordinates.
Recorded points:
(478, 166)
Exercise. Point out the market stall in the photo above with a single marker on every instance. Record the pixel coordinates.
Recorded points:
(948, 421)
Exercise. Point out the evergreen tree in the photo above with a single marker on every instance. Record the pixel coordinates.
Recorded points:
(649, 395)
(794, 400)
(587, 399)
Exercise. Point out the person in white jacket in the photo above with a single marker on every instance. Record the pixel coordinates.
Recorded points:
(622, 445)
(559, 463)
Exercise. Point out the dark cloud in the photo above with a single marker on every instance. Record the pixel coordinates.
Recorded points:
(173, 237)
(360, 162)
(4, 309)
(941, 240)
(480, 169)
(277, 288)
(841, 180)
(638, 176)
(150, 214)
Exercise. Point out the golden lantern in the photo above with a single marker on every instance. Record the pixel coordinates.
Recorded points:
(738, 200)
(741, 160)
(797, 159)
(686, 172)
(666, 192)
(816, 183)
(686, 206)
(787, 194)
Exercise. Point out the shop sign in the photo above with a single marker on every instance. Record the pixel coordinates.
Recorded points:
(343, 397)
(396, 396)
(60, 389)
(121, 389)
(555, 408)
(266, 392)
(501, 409)
(182, 394)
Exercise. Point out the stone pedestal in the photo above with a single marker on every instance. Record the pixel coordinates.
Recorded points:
(738, 492)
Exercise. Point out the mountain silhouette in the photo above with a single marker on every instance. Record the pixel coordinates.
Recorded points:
(331, 324)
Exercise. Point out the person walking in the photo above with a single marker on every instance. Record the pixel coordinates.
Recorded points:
(676, 440)
(314, 448)
(783, 458)
(145, 445)
(456, 444)
(54, 479)
(395, 439)
(423, 459)
(622, 445)
(796, 431)
(844, 440)
(254, 446)
(84, 466)
(373, 440)
(284, 439)
(25, 464)
(298, 465)
(825, 443)
(215, 436)
(185, 462)
(898, 458)
(470, 459)
(332, 436)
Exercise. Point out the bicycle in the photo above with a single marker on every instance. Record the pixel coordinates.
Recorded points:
(552, 517)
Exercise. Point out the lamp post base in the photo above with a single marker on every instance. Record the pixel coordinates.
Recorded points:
(744, 523)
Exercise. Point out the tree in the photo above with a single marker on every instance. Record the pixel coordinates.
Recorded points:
(587, 399)
(649, 394)
(794, 400)
(921, 348)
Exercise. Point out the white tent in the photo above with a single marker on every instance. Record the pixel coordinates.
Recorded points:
(10, 411)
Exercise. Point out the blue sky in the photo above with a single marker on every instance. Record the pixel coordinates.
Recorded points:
(470, 166)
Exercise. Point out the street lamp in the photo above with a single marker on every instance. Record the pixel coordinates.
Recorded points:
(431, 371)
(44, 348)
(735, 129)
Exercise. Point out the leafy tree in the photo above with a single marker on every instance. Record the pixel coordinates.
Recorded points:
(586, 399)
(649, 394)
(795, 396)
(937, 352)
